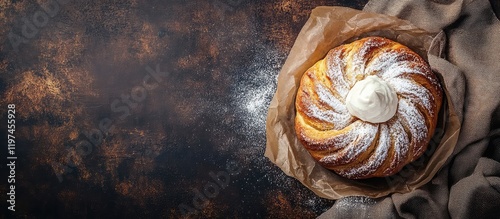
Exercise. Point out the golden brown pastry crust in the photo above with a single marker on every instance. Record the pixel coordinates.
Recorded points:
(354, 148)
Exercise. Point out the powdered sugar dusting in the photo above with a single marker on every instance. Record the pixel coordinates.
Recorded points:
(336, 74)
(413, 92)
(358, 64)
(355, 207)
(355, 203)
(327, 97)
(399, 68)
(390, 65)
(341, 141)
(365, 134)
(326, 115)
(401, 142)
(333, 143)
(413, 119)
(376, 159)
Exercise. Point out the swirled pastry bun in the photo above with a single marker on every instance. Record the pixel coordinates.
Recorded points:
(368, 108)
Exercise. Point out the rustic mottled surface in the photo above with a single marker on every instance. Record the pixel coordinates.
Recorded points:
(221, 58)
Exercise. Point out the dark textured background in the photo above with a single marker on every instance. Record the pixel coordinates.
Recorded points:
(221, 57)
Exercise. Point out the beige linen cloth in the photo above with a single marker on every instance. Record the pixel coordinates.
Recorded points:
(468, 186)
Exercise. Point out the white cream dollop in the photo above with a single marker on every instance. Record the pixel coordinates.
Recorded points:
(372, 100)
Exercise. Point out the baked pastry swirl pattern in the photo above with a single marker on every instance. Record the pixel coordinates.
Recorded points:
(348, 145)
